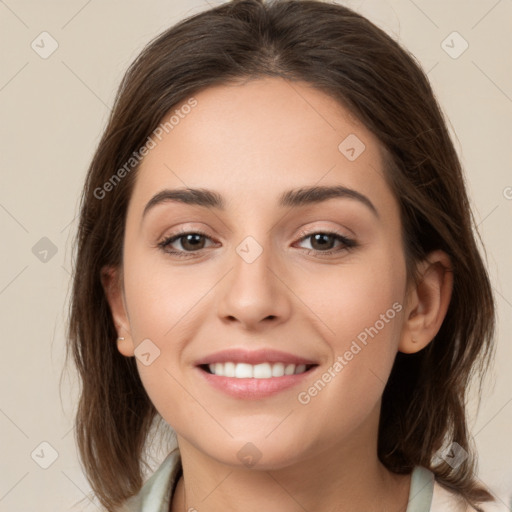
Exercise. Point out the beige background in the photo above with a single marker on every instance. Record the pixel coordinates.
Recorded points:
(53, 111)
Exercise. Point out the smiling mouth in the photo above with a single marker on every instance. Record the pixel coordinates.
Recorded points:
(256, 371)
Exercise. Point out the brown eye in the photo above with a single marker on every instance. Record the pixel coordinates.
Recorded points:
(182, 243)
(323, 242)
(192, 241)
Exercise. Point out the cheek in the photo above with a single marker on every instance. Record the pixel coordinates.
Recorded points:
(347, 391)
(161, 298)
(361, 319)
(164, 304)
(351, 299)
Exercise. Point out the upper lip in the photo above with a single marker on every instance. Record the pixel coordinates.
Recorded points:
(237, 355)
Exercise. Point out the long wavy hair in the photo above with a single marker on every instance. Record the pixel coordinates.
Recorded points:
(347, 57)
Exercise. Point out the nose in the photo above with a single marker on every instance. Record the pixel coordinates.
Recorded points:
(254, 293)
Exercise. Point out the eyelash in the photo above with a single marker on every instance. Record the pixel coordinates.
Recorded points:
(348, 243)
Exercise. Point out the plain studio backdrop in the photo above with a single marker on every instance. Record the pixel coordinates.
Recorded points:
(61, 63)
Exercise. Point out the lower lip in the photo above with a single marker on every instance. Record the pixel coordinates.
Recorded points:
(253, 389)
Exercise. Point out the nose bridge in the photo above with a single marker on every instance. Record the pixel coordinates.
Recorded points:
(254, 253)
(252, 291)
(252, 265)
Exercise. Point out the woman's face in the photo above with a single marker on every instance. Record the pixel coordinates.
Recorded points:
(265, 276)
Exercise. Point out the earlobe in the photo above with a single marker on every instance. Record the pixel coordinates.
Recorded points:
(125, 346)
(112, 286)
(427, 303)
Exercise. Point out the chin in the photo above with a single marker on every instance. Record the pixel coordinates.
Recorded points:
(256, 452)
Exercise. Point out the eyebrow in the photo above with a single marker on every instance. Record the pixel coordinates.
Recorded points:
(295, 198)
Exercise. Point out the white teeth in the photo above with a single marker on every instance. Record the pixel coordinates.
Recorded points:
(290, 369)
(277, 370)
(229, 369)
(300, 369)
(242, 370)
(262, 371)
(257, 371)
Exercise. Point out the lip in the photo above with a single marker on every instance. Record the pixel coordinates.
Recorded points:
(237, 355)
(251, 388)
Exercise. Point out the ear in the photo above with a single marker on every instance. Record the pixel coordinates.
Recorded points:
(427, 302)
(111, 280)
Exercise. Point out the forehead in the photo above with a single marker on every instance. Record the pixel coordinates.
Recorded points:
(252, 140)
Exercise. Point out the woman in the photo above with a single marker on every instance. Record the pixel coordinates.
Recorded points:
(276, 257)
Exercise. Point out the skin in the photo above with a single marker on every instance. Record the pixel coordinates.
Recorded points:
(250, 142)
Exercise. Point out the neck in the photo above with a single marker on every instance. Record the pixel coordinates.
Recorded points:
(338, 478)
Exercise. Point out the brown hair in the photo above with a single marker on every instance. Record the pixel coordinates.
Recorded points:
(344, 55)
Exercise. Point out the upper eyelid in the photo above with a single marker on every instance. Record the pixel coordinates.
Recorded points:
(302, 233)
(301, 230)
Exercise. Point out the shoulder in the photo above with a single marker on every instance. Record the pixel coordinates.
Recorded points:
(444, 500)
(154, 496)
